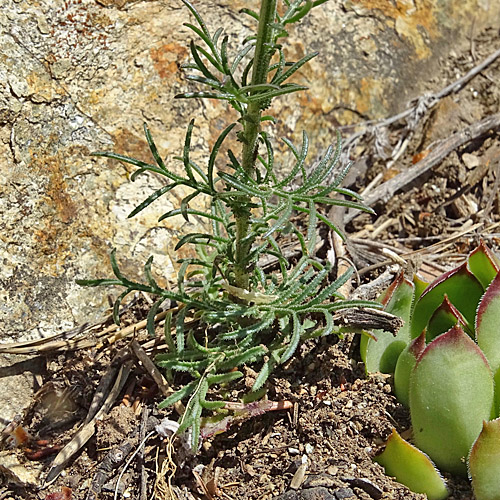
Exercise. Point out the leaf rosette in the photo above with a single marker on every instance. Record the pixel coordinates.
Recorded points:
(448, 372)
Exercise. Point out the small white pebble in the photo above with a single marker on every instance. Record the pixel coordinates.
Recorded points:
(309, 448)
(199, 469)
(293, 451)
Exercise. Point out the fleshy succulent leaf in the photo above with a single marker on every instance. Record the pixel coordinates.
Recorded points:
(488, 331)
(382, 354)
(462, 289)
(451, 393)
(412, 468)
(406, 361)
(420, 286)
(443, 318)
(484, 264)
(488, 324)
(484, 462)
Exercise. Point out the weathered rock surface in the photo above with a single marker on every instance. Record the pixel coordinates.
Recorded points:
(78, 76)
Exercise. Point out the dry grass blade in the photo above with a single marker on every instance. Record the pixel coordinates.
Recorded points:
(88, 429)
(151, 368)
(86, 338)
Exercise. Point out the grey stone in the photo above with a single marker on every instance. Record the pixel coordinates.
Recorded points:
(343, 493)
(318, 493)
(17, 385)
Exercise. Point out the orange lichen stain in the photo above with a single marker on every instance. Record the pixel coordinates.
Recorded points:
(371, 95)
(95, 96)
(53, 169)
(54, 235)
(166, 58)
(127, 143)
(419, 156)
(42, 85)
(409, 18)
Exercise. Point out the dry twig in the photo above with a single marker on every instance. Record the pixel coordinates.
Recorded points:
(386, 190)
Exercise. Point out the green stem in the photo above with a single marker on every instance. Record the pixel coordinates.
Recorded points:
(251, 129)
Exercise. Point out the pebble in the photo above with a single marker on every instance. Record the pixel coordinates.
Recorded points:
(342, 493)
(332, 469)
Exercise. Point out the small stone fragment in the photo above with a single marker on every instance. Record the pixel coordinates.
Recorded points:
(43, 25)
(319, 493)
(470, 161)
(343, 493)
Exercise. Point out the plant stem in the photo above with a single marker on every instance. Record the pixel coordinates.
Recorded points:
(251, 129)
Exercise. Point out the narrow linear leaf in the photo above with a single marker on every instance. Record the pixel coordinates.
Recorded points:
(116, 307)
(199, 63)
(296, 66)
(224, 378)
(251, 13)
(294, 341)
(184, 204)
(267, 369)
(252, 354)
(150, 320)
(167, 332)
(248, 330)
(215, 152)
(190, 211)
(180, 329)
(180, 394)
(150, 199)
(266, 96)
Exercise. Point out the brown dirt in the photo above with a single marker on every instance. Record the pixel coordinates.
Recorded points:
(341, 416)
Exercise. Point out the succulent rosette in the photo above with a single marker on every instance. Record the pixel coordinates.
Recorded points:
(446, 366)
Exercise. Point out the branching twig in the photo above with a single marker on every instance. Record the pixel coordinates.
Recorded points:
(422, 104)
(400, 181)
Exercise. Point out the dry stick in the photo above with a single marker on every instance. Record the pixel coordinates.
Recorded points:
(431, 99)
(110, 462)
(48, 344)
(386, 190)
(151, 368)
(81, 332)
(493, 194)
(143, 494)
(129, 461)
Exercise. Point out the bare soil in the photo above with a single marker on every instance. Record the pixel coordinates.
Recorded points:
(323, 447)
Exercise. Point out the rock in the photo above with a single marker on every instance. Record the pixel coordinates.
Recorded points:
(17, 384)
(318, 493)
(344, 493)
(471, 161)
(19, 472)
(81, 76)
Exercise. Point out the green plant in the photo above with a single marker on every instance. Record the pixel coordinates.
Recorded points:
(232, 310)
(448, 374)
